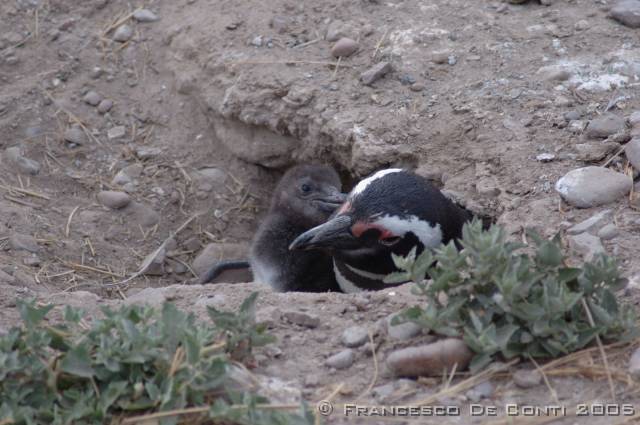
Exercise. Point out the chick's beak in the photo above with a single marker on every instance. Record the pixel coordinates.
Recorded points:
(334, 234)
(330, 199)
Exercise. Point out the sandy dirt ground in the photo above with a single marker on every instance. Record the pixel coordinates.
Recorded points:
(191, 113)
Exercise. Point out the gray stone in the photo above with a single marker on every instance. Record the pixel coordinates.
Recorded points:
(354, 336)
(142, 214)
(21, 242)
(127, 174)
(342, 360)
(582, 25)
(105, 106)
(145, 152)
(376, 72)
(634, 119)
(336, 30)
(545, 157)
(344, 47)
(595, 151)
(145, 15)
(75, 134)
(586, 245)
(114, 199)
(632, 151)
(123, 33)
(572, 115)
(480, 391)
(527, 378)
(592, 186)
(92, 98)
(402, 332)
(302, 319)
(627, 12)
(440, 57)
(116, 132)
(634, 364)
(594, 222)
(24, 164)
(604, 126)
(554, 73)
(608, 232)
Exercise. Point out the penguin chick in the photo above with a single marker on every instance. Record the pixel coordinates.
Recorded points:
(305, 197)
(391, 211)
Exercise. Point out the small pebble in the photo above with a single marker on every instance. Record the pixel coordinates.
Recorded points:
(147, 152)
(21, 242)
(116, 132)
(594, 222)
(145, 15)
(105, 106)
(92, 98)
(342, 360)
(24, 164)
(545, 157)
(403, 331)
(527, 378)
(581, 25)
(586, 245)
(417, 87)
(302, 319)
(440, 57)
(114, 199)
(355, 336)
(481, 391)
(634, 364)
(344, 47)
(374, 73)
(123, 33)
(608, 232)
(75, 134)
(572, 115)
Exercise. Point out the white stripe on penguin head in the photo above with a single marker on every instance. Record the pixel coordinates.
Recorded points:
(363, 184)
(430, 236)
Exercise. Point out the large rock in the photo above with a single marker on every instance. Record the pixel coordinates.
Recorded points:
(604, 126)
(632, 151)
(592, 186)
(627, 12)
(430, 359)
(586, 245)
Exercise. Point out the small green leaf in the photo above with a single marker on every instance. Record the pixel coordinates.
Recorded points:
(78, 362)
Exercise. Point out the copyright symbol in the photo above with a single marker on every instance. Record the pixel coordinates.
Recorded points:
(325, 408)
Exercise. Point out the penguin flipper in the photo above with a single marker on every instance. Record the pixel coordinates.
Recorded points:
(221, 267)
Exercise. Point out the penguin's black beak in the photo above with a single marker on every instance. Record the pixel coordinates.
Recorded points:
(334, 234)
(329, 199)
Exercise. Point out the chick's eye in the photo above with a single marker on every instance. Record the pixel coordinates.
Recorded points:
(305, 188)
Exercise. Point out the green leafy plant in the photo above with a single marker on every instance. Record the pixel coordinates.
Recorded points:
(502, 300)
(132, 361)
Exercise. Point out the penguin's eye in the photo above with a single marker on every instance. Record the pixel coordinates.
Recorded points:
(305, 188)
(390, 241)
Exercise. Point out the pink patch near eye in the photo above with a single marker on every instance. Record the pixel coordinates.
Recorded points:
(345, 207)
(362, 226)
